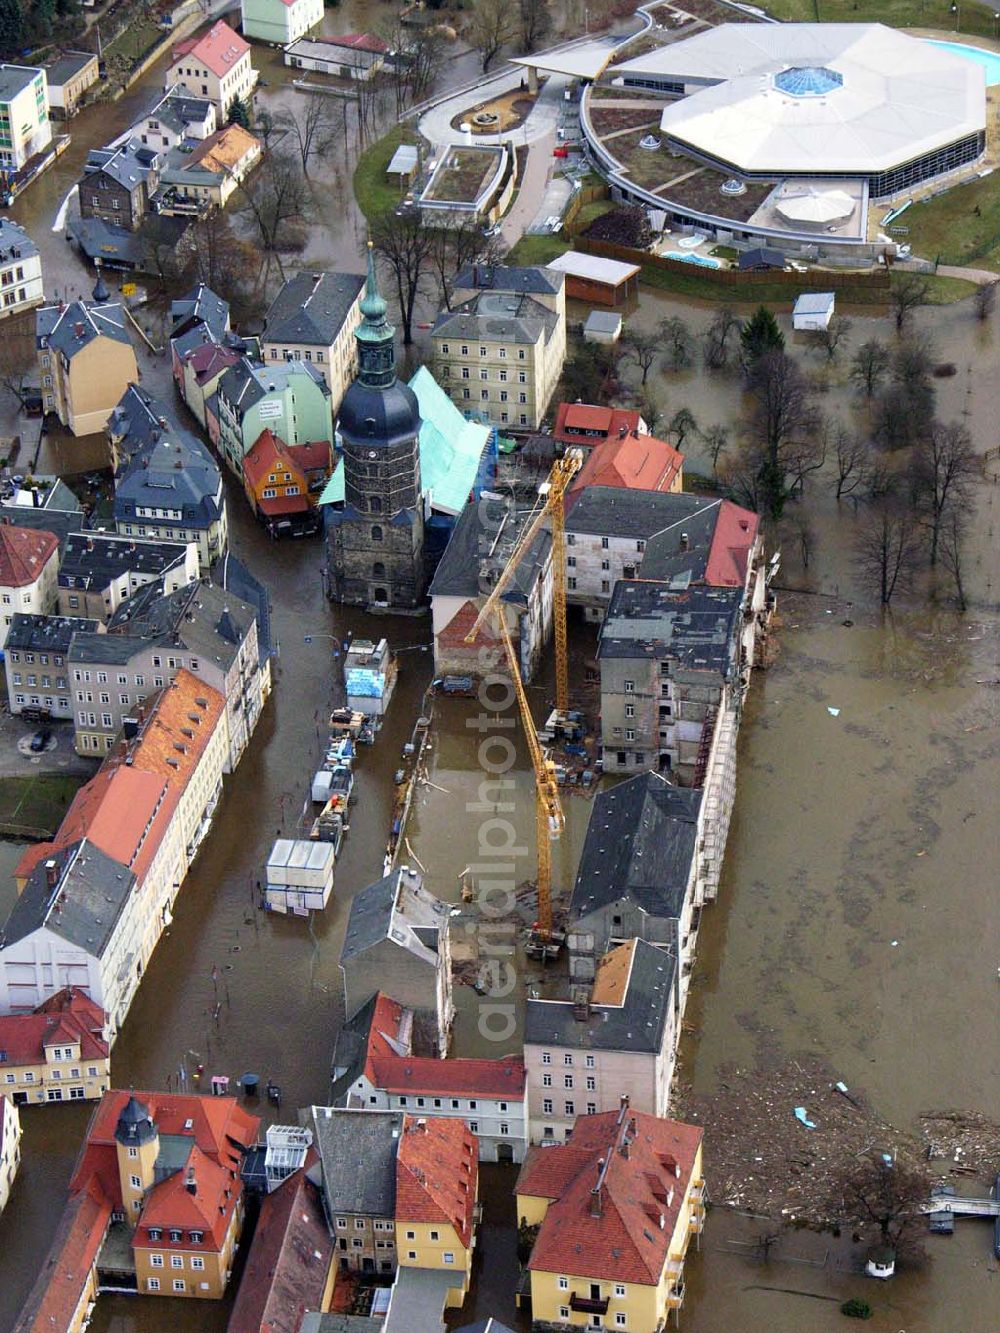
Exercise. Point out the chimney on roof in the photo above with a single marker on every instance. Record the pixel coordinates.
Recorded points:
(596, 1200)
(51, 873)
(421, 1125)
(191, 1185)
(685, 541)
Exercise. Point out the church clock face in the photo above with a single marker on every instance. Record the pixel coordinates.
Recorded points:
(373, 453)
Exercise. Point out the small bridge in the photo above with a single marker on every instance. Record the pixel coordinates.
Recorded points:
(963, 1207)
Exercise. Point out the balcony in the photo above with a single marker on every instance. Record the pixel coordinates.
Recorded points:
(675, 1297)
(589, 1304)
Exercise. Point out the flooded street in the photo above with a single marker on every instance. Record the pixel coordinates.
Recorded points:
(850, 834)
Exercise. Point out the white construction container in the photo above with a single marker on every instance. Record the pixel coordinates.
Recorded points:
(299, 876)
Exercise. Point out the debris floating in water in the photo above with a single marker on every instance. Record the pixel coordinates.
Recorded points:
(803, 1119)
(834, 712)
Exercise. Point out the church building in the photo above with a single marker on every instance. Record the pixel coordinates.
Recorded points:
(376, 541)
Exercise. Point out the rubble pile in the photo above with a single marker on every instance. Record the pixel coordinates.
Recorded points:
(778, 1138)
(970, 1142)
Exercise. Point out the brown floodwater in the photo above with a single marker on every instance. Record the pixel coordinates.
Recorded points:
(849, 833)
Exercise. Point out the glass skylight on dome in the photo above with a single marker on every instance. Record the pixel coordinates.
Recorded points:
(808, 81)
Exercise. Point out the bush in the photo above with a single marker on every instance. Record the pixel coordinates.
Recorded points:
(627, 226)
(856, 1309)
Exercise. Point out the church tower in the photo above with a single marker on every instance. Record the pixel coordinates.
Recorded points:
(137, 1145)
(376, 542)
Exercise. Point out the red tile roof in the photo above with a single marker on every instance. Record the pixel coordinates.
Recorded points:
(453, 634)
(387, 1018)
(276, 505)
(60, 1284)
(635, 462)
(449, 1078)
(577, 422)
(358, 41)
(288, 1263)
(266, 452)
(437, 1169)
(68, 1016)
(734, 537)
(23, 554)
(125, 808)
(639, 1185)
(208, 359)
(311, 455)
(219, 1128)
(208, 1206)
(218, 49)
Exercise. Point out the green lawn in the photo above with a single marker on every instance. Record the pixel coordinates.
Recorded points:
(36, 802)
(943, 291)
(961, 226)
(133, 42)
(974, 20)
(376, 192)
(537, 249)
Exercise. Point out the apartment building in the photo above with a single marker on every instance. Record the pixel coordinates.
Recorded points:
(481, 544)
(499, 352)
(616, 1209)
(60, 1052)
(215, 65)
(118, 183)
(279, 22)
(25, 125)
(95, 900)
(86, 360)
(35, 663)
(21, 286)
(384, 1074)
(29, 570)
(616, 1033)
(10, 1147)
(289, 397)
(360, 1204)
(283, 483)
(99, 571)
(167, 485)
(177, 117)
(670, 662)
(313, 319)
(165, 1168)
(150, 639)
(398, 929)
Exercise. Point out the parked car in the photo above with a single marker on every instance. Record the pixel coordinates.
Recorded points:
(40, 739)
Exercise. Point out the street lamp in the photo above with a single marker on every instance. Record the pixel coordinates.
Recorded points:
(956, 10)
(996, 27)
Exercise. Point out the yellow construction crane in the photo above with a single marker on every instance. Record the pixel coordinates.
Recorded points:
(551, 505)
(549, 817)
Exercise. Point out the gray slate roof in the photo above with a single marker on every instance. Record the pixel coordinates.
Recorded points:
(203, 306)
(486, 533)
(15, 243)
(641, 842)
(14, 79)
(696, 628)
(129, 165)
(164, 465)
(616, 511)
(233, 576)
(505, 278)
(357, 1150)
(92, 559)
(67, 66)
(46, 634)
(70, 328)
(418, 1300)
(497, 317)
(635, 1025)
(245, 383)
(92, 890)
(398, 906)
(312, 307)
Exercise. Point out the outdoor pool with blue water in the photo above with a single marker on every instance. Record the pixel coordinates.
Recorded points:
(989, 61)
(703, 261)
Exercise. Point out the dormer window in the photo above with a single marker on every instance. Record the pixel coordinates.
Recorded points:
(155, 1233)
(196, 1237)
(175, 1236)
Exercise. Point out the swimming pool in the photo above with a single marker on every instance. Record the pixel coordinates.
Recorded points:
(989, 61)
(703, 261)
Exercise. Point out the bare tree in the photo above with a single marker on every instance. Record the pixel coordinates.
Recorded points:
(642, 350)
(676, 338)
(418, 55)
(716, 438)
(835, 333)
(908, 290)
(276, 197)
(454, 248)
(312, 126)
(943, 468)
(886, 547)
(491, 27)
(783, 439)
(534, 22)
(870, 365)
(18, 356)
(211, 252)
(951, 551)
(850, 454)
(904, 411)
(682, 424)
(984, 300)
(884, 1202)
(403, 244)
(802, 531)
(725, 326)
(651, 411)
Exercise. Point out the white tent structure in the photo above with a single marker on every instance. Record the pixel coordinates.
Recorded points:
(816, 208)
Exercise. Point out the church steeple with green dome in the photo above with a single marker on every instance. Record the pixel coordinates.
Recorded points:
(376, 337)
